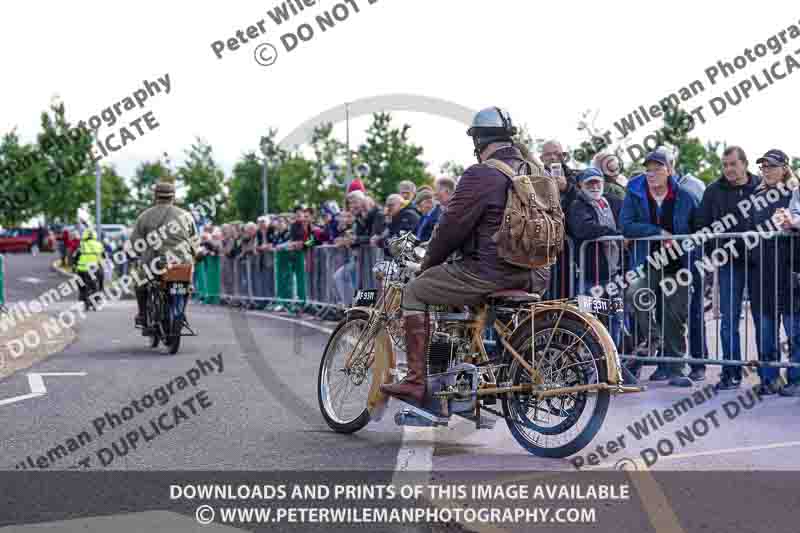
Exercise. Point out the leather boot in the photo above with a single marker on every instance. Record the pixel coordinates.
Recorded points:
(413, 385)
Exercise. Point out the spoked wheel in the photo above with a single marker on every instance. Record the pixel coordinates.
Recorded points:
(345, 376)
(566, 356)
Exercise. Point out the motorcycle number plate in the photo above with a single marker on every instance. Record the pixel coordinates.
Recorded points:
(600, 305)
(179, 289)
(365, 298)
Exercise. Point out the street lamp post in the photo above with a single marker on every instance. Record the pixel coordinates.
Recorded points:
(98, 193)
(349, 153)
(264, 174)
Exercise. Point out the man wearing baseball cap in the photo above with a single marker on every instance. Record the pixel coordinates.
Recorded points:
(657, 206)
(593, 215)
(611, 167)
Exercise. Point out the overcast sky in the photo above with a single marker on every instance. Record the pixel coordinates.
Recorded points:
(544, 61)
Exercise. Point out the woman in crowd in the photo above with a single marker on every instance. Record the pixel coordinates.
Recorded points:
(774, 299)
(772, 295)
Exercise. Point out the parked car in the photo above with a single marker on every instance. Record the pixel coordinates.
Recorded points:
(24, 239)
(112, 231)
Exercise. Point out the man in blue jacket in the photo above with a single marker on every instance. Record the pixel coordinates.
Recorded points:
(657, 206)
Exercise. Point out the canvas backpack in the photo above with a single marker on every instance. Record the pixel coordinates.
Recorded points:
(531, 234)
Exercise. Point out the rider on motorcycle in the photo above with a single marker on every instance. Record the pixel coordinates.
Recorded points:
(169, 233)
(473, 216)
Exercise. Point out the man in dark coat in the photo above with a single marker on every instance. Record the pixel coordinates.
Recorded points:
(473, 216)
(721, 207)
(403, 217)
(591, 216)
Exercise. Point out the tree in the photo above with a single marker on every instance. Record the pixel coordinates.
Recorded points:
(327, 151)
(245, 188)
(696, 158)
(62, 175)
(147, 174)
(294, 177)
(391, 157)
(201, 176)
(452, 169)
(524, 138)
(16, 203)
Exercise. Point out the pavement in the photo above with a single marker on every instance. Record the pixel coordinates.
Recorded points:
(26, 342)
(257, 412)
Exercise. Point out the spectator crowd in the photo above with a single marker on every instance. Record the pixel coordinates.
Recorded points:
(633, 220)
(361, 224)
(664, 282)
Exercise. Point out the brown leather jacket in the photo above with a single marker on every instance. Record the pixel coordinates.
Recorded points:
(473, 215)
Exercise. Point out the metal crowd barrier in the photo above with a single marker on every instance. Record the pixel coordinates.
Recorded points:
(329, 276)
(720, 274)
(296, 279)
(562, 273)
(2, 283)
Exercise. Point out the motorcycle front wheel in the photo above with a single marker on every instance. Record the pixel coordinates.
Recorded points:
(567, 355)
(345, 376)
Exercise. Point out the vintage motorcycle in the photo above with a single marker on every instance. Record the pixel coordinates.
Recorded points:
(553, 369)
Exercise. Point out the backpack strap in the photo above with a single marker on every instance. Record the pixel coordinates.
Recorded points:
(505, 168)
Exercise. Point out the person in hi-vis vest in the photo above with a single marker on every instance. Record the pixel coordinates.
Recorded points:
(88, 265)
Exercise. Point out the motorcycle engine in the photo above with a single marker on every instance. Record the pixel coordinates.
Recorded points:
(446, 348)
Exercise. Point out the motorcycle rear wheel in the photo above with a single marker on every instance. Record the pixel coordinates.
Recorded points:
(567, 355)
(337, 379)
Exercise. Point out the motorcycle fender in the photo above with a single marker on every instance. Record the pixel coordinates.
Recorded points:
(382, 373)
(599, 331)
(382, 369)
(368, 310)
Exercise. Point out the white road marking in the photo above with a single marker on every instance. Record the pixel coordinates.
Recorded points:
(301, 322)
(36, 383)
(641, 464)
(30, 280)
(16, 399)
